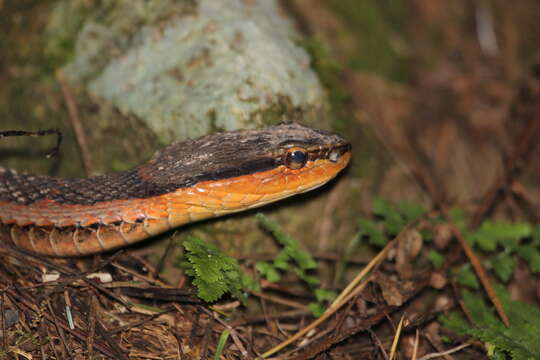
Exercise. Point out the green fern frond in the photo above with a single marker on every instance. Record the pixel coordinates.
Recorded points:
(519, 341)
(214, 273)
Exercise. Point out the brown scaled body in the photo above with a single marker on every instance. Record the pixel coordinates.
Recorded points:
(228, 172)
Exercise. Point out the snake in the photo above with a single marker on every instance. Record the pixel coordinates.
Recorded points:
(187, 181)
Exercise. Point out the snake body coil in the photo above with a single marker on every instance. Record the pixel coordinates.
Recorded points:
(187, 181)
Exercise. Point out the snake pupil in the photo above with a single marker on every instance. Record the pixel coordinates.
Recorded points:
(295, 159)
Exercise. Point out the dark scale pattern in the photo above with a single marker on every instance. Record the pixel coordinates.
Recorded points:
(182, 164)
(26, 189)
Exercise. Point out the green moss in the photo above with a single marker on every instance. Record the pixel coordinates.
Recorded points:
(329, 70)
(64, 23)
(378, 27)
(117, 142)
(284, 110)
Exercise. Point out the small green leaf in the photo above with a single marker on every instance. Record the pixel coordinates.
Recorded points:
(503, 265)
(490, 234)
(317, 309)
(370, 228)
(269, 272)
(458, 218)
(325, 295)
(393, 220)
(291, 252)
(496, 354)
(436, 258)
(447, 340)
(209, 292)
(310, 280)
(281, 261)
(456, 322)
(221, 343)
(466, 277)
(291, 245)
(484, 241)
(302, 258)
(532, 255)
(249, 283)
(411, 211)
(427, 235)
(535, 234)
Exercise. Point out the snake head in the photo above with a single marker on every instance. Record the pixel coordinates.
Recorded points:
(251, 168)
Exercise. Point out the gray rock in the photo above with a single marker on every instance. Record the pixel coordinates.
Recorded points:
(221, 66)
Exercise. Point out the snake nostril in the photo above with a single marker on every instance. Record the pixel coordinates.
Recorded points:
(334, 155)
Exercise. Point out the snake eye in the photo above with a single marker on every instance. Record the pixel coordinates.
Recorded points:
(296, 158)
